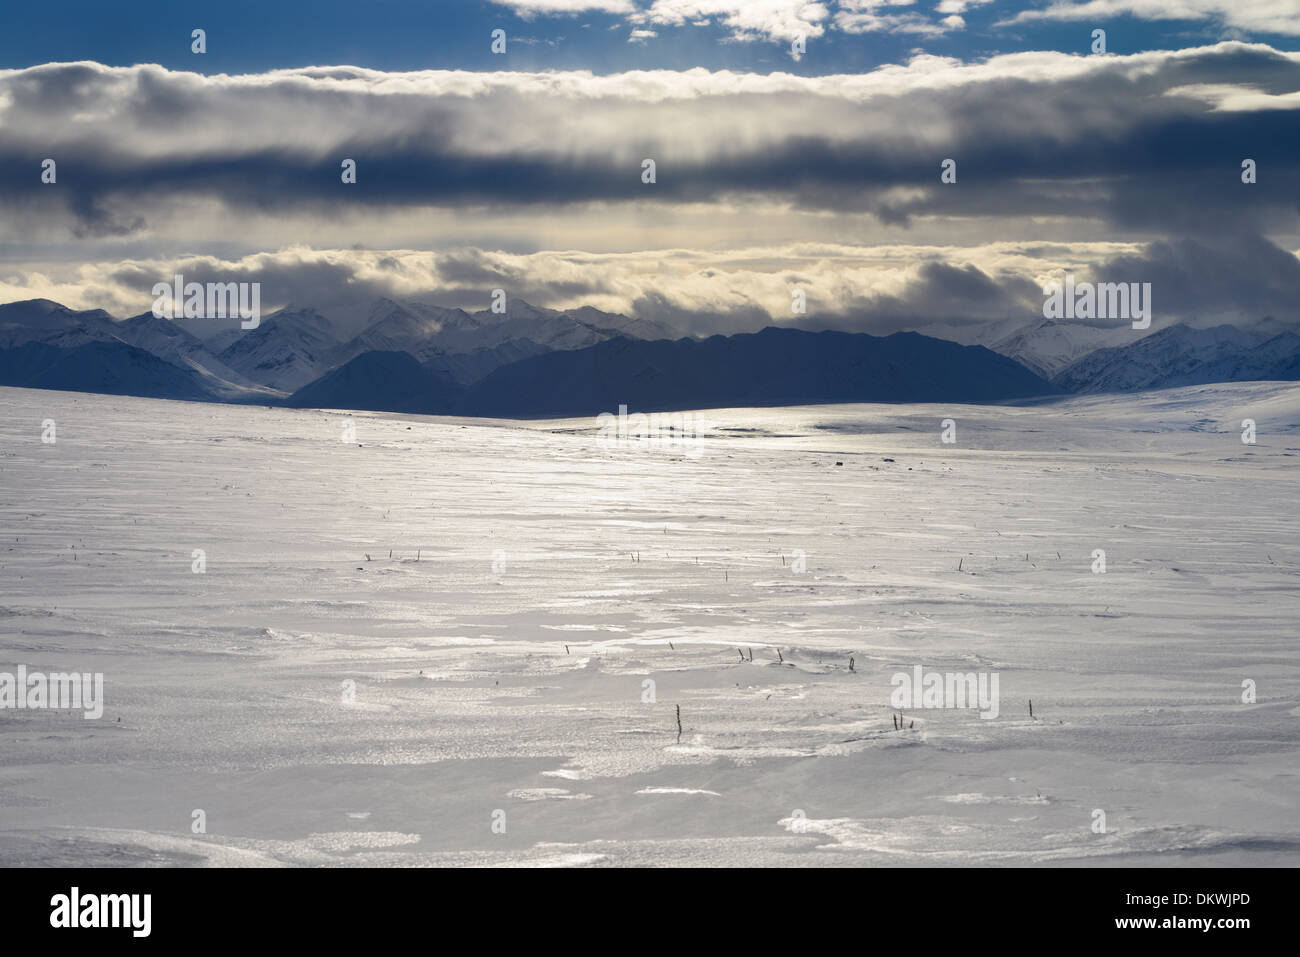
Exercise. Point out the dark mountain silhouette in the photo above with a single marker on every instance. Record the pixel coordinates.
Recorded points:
(768, 368)
(110, 367)
(379, 382)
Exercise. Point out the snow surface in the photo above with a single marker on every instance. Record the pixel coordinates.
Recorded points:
(224, 690)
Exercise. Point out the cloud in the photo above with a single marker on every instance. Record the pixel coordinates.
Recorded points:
(779, 21)
(1133, 143)
(875, 16)
(782, 20)
(745, 20)
(528, 9)
(1231, 278)
(1122, 167)
(1254, 16)
(954, 291)
(959, 6)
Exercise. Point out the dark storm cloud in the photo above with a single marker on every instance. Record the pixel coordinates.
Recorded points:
(1235, 275)
(1232, 278)
(1145, 142)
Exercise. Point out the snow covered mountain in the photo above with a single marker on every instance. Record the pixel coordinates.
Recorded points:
(467, 368)
(296, 346)
(1181, 355)
(288, 349)
(170, 341)
(467, 346)
(515, 355)
(48, 323)
(623, 325)
(560, 329)
(41, 320)
(411, 327)
(1049, 346)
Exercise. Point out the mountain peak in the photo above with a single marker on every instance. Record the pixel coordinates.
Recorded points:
(36, 305)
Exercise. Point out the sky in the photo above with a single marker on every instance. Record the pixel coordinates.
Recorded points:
(796, 145)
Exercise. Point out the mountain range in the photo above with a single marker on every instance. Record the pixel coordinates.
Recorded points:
(297, 345)
(1048, 346)
(40, 321)
(1181, 355)
(528, 361)
(773, 367)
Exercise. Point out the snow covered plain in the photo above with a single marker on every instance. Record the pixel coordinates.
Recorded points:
(224, 691)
